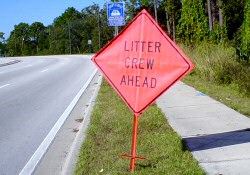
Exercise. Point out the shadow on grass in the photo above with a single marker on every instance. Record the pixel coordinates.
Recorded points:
(145, 165)
(218, 140)
(149, 164)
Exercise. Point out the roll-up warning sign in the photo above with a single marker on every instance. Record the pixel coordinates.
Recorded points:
(142, 62)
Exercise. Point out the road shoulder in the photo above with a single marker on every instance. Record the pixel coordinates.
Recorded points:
(61, 156)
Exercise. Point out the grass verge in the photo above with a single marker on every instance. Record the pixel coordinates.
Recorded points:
(226, 94)
(109, 136)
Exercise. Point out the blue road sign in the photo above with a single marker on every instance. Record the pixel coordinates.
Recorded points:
(115, 12)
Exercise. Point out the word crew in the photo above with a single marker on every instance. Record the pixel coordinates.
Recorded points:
(143, 47)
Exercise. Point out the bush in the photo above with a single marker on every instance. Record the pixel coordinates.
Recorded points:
(242, 79)
(219, 63)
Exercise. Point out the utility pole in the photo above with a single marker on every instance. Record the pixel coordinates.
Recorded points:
(15, 38)
(99, 27)
(37, 33)
(69, 39)
(22, 44)
(99, 30)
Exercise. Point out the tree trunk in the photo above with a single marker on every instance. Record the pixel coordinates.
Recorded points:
(220, 13)
(209, 15)
(214, 12)
(168, 25)
(69, 38)
(173, 28)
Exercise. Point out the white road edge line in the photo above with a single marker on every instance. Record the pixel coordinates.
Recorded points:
(4, 86)
(82, 129)
(39, 153)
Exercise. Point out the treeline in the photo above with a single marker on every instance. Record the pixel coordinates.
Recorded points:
(69, 34)
(186, 21)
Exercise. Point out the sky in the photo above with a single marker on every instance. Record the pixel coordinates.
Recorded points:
(13, 12)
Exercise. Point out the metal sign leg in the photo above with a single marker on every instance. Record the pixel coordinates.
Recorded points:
(133, 156)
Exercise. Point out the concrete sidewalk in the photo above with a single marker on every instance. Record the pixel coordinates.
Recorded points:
(217, 136)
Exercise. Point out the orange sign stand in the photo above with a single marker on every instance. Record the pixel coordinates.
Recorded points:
(133, 156)
(141, 63)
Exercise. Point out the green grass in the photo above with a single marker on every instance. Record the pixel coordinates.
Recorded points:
(226, 94)
(109, 136)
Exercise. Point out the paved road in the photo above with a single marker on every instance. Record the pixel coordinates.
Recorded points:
(34, 93)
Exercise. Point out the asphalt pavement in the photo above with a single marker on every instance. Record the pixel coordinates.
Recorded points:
(35, 93)
(217, 136)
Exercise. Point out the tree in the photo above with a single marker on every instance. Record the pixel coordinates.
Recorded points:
(172, 9)
(92, 18)
(233, 16)
(209, 15)
(245, 42)
(192, 26)
(2, 37)
(19, 40)
(133, 7)
(65, 33)
(36, 30)
(2, 43)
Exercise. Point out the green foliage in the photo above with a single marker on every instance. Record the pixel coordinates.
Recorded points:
(218, 34)
(193, 25)
(218, 63)
(133, 7)
(2, 44)
(70, 14)
(71, 31)
(233, 15)
(65, 33)
(245, 42)
(27, 39)
(18, 40)
(68, 34)
(172, 11)
(37, 35)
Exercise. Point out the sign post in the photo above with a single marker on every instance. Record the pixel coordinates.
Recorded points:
(133, 156)
(141, 63)
(90, 45)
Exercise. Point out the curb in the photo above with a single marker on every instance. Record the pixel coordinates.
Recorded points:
(71, 160)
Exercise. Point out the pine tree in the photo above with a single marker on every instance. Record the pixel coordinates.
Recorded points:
(193, 25)
(245, 42)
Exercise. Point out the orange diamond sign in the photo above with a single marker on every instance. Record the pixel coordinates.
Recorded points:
(142, 62)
